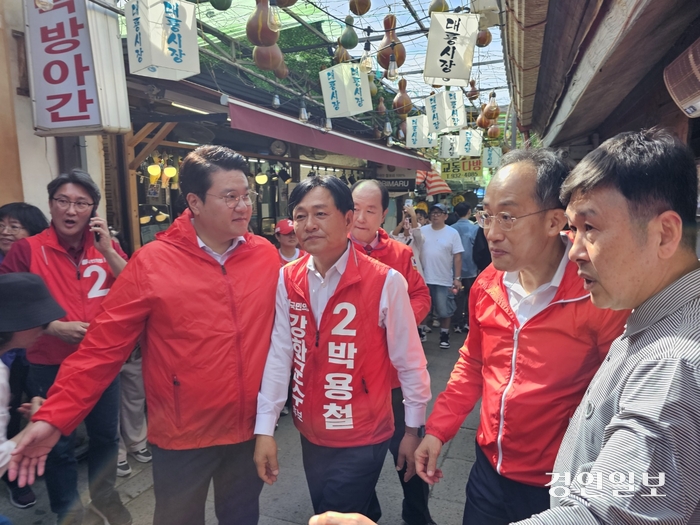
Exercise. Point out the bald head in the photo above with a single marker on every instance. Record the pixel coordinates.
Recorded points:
(371, 201)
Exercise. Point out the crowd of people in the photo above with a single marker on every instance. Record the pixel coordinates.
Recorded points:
(580, 324)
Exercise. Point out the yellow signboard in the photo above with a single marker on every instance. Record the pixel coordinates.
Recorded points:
(467, 169)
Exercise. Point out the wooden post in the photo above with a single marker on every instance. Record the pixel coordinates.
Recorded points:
(132, 200)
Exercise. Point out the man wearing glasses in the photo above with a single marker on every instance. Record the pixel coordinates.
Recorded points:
(201, 299)
(535, 342)
(79, 270)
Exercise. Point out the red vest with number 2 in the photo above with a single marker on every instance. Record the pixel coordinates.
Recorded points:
(341, 390)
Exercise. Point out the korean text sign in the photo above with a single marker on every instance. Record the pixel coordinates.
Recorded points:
(345, 91)
(451, 41)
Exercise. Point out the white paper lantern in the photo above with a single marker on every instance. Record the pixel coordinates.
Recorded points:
(470, 141)
(418, 135)
(451, 41)
(491, 157)
(445, 111)
(449, 147)
(162, 38)
(345, 90)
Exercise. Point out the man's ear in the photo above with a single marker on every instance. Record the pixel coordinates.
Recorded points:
(668, 227)
(349, 218)
(384, 214)
(556, 221)
(194, 203)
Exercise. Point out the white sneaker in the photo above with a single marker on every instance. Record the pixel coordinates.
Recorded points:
(123, 468)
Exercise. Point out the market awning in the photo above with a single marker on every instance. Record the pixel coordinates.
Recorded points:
(261, 121)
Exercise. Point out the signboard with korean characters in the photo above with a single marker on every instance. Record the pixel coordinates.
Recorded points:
(418, 135)
(470, 141)
(449, 147)
(451, 41)
(491, 157)
(161, 38)
(445, 111)
(396, 179)
(76, 69)
(468, 170)
(345, 91)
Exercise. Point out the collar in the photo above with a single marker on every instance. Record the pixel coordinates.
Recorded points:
(373, 244)
(200, 243)
(667, 301)
(340, 265)
(512, 279)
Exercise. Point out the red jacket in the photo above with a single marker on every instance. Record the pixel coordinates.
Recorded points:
(400, 257)
(530, 378)
(341, 395)
(206, 333)
(79, 287)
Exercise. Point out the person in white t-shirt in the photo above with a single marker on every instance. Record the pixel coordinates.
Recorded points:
(289, 245)
(441, 258)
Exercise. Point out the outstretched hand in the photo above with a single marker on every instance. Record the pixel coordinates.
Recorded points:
(336, 518)
(29, 457)
(426, 456)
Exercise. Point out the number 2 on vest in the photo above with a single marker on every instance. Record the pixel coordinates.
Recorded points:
(96, 290)
(340, 328)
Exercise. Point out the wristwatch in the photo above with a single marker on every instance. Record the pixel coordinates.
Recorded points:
(420, 432)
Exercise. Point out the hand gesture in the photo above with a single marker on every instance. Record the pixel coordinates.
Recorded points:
(99, 225)
(426, 459)
(336, 518)
(33, 445)
(407, 450)
(29, 409)
(265, 458)
(71, 332)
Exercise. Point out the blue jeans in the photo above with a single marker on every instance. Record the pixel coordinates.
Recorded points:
(443, 301)
(61, 466)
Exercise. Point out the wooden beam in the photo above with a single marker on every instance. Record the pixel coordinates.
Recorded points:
(141, 134)
(152, 144)
(308, 26)
(132, 199)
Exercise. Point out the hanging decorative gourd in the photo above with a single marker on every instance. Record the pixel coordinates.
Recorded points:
(483, 38)
(341, 54)
(491, 111)
(220, 5)
(494, 131)
(385, 47)
(268, 58)
(402, 102)
(360, 7)
(256, 28)
(381, 108)
(349, 38)
(439, 6)
(482, 121)
(281, 71)
(377, 133)
(473, 93)
(286, 3)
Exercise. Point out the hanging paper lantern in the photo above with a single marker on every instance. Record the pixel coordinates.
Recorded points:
(345, 90)
(417, 133)
(162, 39)
(449, 147)
(470, 141)
(491, 158)
(451, 40)
(445, 111)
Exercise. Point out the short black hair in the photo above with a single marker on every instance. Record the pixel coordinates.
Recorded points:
(551, 172)
(384, 192)
(198, 165)
(422, 213)
(79, 177)
(462, 209)
(30, 217)
(653, 170)
(342, 196)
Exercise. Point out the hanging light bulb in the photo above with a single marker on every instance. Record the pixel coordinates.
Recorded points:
(274, 22)
(387, 128)
(367, 61)
(303, 114)
(393, 72)
(276, 101)
(390, 141)
(328, 125)
(351, 178)
(261, 178)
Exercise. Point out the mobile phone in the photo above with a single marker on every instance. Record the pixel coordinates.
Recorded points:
(97, 234)
(408, 202)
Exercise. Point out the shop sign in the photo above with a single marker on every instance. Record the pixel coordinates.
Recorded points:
(418, 133)
(345, 91)
(162, 39)
(491, 157)
(451, 41)
(403, 185)
(76, 69)
(445, 111)
(468, 170)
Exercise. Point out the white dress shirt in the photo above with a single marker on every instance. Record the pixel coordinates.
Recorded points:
(220, 257)
(405, 349)
(527, 305)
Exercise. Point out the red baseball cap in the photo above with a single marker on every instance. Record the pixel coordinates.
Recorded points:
(285, 227)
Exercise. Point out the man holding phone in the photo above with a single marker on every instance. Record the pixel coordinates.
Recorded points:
(79, 268)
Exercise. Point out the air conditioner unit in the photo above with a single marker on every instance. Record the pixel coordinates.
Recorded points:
(682, 78)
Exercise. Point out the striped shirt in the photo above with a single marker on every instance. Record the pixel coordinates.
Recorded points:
(638, 424)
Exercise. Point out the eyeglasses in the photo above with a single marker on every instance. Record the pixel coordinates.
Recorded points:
(505, 219)
(13, 229)
(232, 200)
(80, 206)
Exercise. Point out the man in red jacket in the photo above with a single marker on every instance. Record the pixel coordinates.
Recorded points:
(79, 262)
(535, 341)
(343, 320)
(201, 300)
(371, 206)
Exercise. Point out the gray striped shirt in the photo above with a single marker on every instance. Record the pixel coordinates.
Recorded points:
(639, 419)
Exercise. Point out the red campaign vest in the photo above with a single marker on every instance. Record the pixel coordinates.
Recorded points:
(79, 289)
(341, 391)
